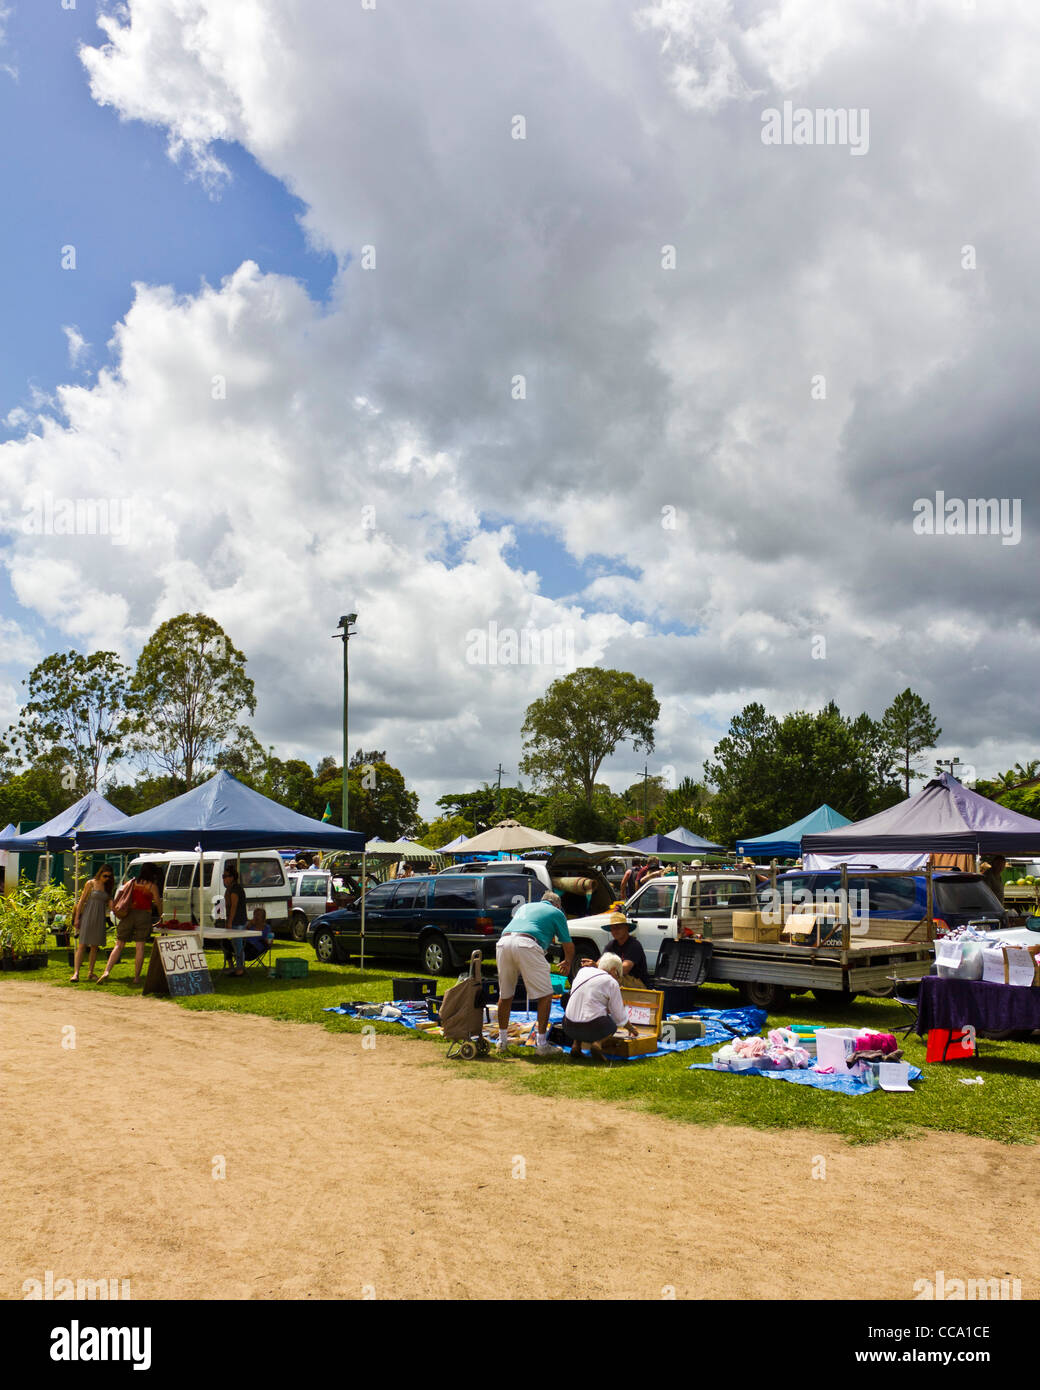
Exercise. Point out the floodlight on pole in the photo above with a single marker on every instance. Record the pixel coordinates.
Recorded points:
(344, 634)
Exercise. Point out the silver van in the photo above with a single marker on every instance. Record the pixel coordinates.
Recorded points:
(261, 871)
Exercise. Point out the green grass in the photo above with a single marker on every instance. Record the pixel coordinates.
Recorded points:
(1006, 1107)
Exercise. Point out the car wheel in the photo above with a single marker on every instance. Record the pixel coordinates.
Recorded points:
(763, 995)
(436, 956)
(298, 927)
(326, 948)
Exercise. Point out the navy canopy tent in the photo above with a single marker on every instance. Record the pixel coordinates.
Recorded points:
(944, 817)
(56, 835)
(662, 844)
(787, 843)
(225, 814)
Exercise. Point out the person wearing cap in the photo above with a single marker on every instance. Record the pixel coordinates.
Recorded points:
(595, 1009)
(520, 953)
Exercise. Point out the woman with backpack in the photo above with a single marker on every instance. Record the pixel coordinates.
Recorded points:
(135, 904)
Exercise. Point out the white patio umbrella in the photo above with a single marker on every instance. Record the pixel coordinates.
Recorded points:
(508, 835)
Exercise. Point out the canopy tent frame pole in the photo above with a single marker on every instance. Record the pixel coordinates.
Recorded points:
(202, 922)
(364, 883)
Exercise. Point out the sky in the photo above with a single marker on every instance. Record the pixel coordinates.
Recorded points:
(654, 326)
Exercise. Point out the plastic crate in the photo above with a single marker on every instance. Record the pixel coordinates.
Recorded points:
(414, 989)
(682, 963)
(288, 968)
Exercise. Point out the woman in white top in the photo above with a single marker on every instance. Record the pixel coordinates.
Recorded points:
(595, 1009)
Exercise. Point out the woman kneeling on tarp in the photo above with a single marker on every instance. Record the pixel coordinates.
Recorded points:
(595, 1009)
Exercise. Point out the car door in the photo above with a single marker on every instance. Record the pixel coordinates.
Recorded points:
(649, 916)
(312, 892)
(400, 918)
(377, 901)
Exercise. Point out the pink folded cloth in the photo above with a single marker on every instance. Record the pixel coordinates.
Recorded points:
(875, 1042)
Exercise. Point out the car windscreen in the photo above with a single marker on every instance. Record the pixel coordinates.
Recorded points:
(964, 895)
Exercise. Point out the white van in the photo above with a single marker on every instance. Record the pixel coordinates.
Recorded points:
(261, 871)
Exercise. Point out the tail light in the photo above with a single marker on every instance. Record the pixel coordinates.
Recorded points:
(331, 905)
(485, 925)
(288, 907)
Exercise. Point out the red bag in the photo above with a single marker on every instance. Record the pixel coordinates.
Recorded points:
(946, 1045)
(123, 899)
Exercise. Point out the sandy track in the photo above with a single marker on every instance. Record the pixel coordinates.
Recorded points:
(384, 1171)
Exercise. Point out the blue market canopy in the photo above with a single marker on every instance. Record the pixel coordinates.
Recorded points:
(695, 842)
(787, 843)
(662, 844)
(944, 817)
(222, 813)
(90, 812)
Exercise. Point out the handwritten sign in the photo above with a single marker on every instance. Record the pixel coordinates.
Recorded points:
(178, 967)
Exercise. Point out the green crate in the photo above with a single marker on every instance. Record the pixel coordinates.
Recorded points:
(287, 968)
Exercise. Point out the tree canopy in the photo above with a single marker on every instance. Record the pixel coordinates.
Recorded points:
(579, 722)
(188, 694)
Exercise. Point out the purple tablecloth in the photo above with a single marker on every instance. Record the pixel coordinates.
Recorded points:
(989, 1007)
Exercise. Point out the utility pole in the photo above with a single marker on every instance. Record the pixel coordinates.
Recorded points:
(646, 772)
(498, 793)
(345, 634)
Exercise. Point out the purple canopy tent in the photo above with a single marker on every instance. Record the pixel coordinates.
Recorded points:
(944, 817)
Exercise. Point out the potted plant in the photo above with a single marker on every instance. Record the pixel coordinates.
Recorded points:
(25, 916)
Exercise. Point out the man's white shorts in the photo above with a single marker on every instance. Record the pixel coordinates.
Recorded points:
(521, 955)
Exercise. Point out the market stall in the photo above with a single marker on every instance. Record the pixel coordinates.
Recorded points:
(221, 814)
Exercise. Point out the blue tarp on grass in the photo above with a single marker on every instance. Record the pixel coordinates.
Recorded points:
(822, 1081)
(721, 1025)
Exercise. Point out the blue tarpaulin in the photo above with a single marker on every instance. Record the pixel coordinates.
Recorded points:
(721, 1025)
(222, 813)
(846, 1084)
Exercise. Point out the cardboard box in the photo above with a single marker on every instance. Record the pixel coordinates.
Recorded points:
(649, 1007)
(1015, 958)
(749, 926)
(812, 928)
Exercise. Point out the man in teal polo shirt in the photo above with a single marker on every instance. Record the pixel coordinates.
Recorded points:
(521, 952)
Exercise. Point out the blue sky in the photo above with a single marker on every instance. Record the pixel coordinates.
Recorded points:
(77, 174)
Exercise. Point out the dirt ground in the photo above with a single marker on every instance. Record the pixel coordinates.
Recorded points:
(353, 1173)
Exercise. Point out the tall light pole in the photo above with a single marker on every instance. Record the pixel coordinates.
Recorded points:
(345, 634)
(951, 763)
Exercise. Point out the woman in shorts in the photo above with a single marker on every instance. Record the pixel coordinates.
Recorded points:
(136, 926)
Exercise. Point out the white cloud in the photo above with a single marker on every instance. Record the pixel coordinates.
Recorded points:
(77, 344)
(355, 449)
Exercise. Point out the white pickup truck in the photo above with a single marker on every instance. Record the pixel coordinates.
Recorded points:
(652, 917)
(766, 973)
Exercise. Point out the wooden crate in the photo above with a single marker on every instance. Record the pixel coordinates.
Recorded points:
(649, 1035)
